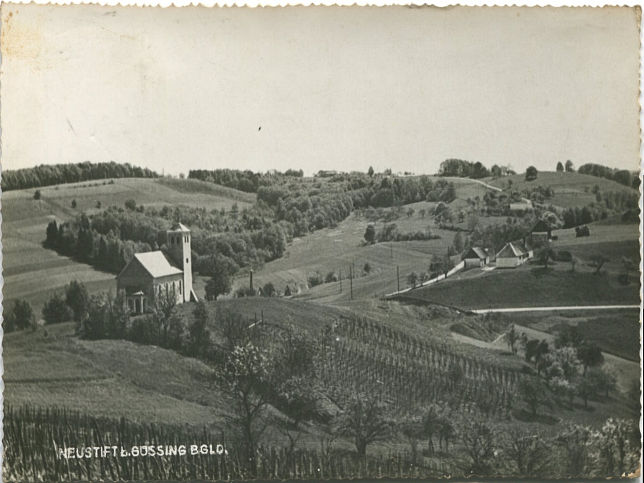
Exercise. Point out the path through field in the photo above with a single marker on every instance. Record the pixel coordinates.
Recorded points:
(550, 309)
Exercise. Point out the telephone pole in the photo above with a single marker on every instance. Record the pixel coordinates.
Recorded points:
(398, 277)
(340, 280)
(351, 283)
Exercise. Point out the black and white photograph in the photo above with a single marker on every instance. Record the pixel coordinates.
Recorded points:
(320, 243)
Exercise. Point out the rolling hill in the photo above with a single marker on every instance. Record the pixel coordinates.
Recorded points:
(32, 272)
(407, 353)
(571, 189)
(339, 248)
(112, 378)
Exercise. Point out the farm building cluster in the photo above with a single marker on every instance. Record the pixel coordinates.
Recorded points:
(512, 254)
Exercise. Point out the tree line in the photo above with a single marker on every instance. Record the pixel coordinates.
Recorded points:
(47, 175)
(246, 180)
(621, 176)
(470, 169)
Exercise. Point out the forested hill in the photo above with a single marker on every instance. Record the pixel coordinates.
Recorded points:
(47, 175)
(224, 241)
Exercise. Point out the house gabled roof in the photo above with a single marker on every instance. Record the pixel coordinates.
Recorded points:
(180, 227)
(156, 264)
(476, 252)
(509, 251)
(541, 227)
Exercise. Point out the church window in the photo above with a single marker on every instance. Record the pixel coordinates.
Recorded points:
(187, 261)
(180, 288)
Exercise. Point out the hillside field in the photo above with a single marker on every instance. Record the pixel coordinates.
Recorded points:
(571, 189)
(527, 286)
(33, 272)
(337, 249)
(53, 368)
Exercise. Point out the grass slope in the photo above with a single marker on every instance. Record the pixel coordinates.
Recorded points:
(53, 368)
(571, 189)
(528, 286)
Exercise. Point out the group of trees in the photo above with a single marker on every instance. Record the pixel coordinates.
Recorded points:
(389, 232)
(107, 317)
(606, 204)
(463, 169)
(18, 316)
(71, 305)
(569, 369)
(109, 239)
(247, 180)
(439, 265)
(621, 176)
(46, 175)
(568, 167)
(495, 236)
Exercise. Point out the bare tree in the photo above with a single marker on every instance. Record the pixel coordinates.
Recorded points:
(365, 421)
(412, 429)
(512, 337)
(245, 378)
(431, 425)
(534, 393)
(478, 441)
(527, 450)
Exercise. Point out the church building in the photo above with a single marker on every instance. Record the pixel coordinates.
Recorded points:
(151, 275)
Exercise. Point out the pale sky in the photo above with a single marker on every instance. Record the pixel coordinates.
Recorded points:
(331, 88)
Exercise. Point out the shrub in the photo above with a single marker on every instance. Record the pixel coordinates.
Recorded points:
(56, 310)
(314, 279)
(130, 205)
(77, 299)
(21, 316)
(330, 277)
(268, 290)
(563, 256)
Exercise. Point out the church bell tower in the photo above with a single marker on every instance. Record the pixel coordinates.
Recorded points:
(179, 249)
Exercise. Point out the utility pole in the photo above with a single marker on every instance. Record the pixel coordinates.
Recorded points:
(351, 282)
(340, 280)
(398, 277)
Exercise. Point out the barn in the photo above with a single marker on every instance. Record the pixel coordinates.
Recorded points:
(151, 275)
(541, 233)
(511, 255)
(521, 207)
(476, 257)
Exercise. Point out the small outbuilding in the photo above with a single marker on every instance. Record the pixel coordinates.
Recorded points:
(521, 207)
(541, 233)
(476, 257)
(511, 256)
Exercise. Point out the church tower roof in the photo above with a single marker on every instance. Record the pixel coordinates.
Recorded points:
(180, 227)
